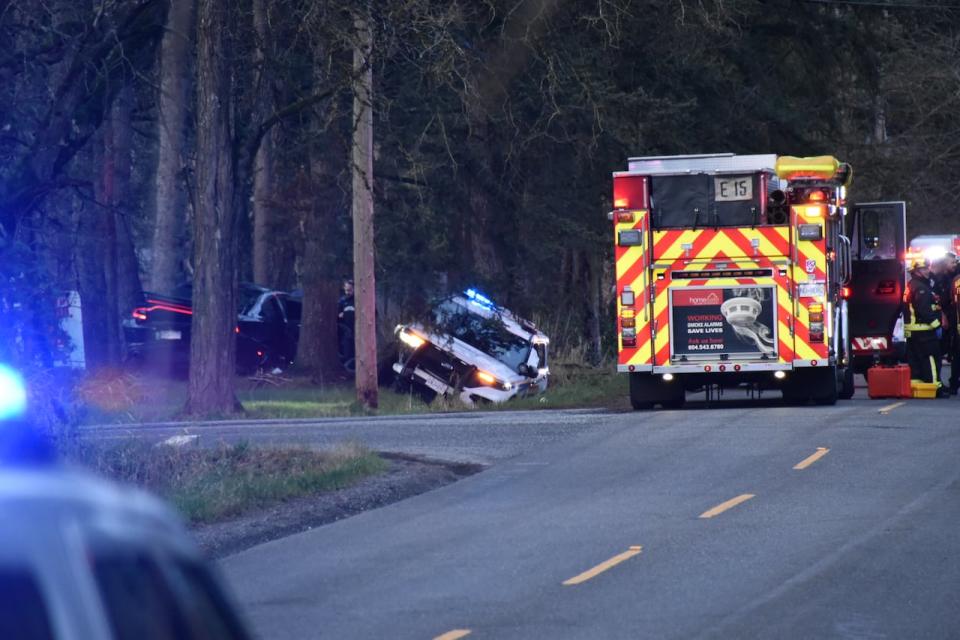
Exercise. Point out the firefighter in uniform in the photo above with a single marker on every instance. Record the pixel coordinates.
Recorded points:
(921, 326)
(943, 272)
(955, 322)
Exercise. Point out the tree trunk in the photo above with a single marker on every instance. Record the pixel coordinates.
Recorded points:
(594, 275)
(264, 227)
(169, 199)
(128, 285)
(363, 240)
(211, 389)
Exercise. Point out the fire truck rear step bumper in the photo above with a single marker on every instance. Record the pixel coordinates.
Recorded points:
(728, 367)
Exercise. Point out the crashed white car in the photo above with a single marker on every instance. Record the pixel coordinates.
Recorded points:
(474, 350)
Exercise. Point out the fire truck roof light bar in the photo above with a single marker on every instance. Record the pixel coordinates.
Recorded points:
(709, 163)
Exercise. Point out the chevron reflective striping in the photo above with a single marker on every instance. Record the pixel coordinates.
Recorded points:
(772, 241)
(631, 270)
(811, 265)
(714, 255)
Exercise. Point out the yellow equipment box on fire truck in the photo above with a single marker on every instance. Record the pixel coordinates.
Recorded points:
(732, 269)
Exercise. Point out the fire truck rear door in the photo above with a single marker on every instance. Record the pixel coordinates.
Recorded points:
(878, 245)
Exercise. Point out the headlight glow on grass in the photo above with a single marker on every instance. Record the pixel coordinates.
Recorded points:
(13, 393)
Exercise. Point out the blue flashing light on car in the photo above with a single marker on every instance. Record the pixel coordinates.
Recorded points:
(13, 394)
(480, 299)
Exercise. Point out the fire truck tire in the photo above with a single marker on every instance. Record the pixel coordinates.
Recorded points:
(847, 387)
(674, 403)
(826, 385)
(644, 390)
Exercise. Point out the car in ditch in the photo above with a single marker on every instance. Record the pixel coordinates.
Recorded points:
(473, 350)
(157, 332)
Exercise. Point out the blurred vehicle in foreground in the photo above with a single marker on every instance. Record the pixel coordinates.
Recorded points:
(268, 327)
(83, 558)
(474, 350)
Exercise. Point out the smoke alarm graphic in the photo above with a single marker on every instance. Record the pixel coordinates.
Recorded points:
(740, 312)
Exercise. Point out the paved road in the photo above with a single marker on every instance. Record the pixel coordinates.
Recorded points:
(860, 542)
(477, 437)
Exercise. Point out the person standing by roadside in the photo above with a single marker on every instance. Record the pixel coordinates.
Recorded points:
(922, 326)
(955, 330)
(345, 321)
(944, 271)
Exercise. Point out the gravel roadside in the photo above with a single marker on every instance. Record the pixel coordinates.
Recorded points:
(407, 476)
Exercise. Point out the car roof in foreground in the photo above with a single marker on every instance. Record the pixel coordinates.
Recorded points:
(69, 496)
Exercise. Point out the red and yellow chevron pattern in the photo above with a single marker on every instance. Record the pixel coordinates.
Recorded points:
(649, 271)
(632, 271)
(809, 265)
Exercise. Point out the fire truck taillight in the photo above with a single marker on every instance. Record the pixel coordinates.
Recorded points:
(629, 192)
(625, 216)
(846, 292)
(815, 318)
(628, 327)
(809, 210)
(627, 297)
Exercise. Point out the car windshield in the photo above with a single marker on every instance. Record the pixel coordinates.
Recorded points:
(486, 334)
(246, 300)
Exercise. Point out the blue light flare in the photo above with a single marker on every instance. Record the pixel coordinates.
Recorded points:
(480, 299)
(13, 394)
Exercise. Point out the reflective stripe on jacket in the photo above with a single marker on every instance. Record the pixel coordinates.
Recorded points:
(921, 308)
(955, 294)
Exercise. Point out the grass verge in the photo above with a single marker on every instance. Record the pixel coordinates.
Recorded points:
(128, 397)
(208, 485)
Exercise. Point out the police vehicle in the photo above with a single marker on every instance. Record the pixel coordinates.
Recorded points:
(474, 350)
(83, 558)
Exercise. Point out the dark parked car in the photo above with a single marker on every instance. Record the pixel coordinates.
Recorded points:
(268, 327)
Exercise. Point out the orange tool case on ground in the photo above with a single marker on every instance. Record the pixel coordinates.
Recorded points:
(889, 382)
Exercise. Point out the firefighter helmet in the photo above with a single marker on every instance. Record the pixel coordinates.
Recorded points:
(919, 262)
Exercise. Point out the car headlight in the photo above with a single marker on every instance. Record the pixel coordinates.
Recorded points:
(492, 381)
(411, 339)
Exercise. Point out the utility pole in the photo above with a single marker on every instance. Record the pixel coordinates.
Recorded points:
(365, 299)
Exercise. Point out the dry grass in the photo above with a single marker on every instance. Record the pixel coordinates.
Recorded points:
(214, 484)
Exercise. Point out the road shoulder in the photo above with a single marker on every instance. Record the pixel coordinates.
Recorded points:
(407, 476)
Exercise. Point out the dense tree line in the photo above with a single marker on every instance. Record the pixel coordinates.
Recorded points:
(151, 143)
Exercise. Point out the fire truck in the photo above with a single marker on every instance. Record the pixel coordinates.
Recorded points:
(732, 270)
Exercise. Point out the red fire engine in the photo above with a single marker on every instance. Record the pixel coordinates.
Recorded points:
(731, 270)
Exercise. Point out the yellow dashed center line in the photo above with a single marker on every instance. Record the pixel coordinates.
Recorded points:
(821, 451)
(603, 566)
(729, 504)
(890, 407)
(453, 635)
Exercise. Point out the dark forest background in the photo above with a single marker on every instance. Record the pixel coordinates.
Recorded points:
(496, 125)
